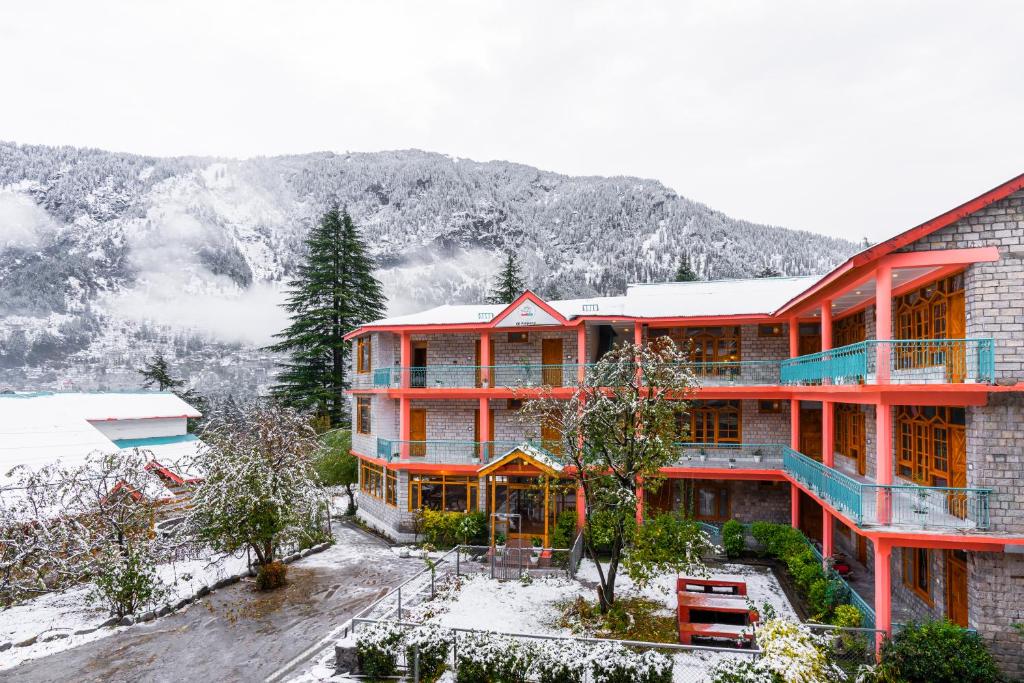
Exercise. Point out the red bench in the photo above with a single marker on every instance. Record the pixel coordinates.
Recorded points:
(687, 632)
(685, 583)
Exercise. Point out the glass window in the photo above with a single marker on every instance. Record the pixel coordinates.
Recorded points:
(363, 424)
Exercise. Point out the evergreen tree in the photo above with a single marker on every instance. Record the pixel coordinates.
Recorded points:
(156, 372)
(768, 271)
(509, 284)
(684, 273)
(333, 293)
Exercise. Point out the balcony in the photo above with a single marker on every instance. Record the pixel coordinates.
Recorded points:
(766, 456)
(902, 361)
(469, 376)
(445, 452)
(895, 505)
(738, 373)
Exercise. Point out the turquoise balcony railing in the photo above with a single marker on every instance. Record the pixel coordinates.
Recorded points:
(447, 452)
(902, 361)
(729, 455)
(897, 505)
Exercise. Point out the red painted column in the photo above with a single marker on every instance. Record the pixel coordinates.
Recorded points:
(883, 461)
(794, 338)
(485, 429)
(794, 506)
(826, 535)
(828, 459)
(485, 365)
(405, 358)
(826, 330)
(794, 424)
(581, 352)
(883, 321)
(638, 333)
(581, 509)
(883, 587)
(404, 426)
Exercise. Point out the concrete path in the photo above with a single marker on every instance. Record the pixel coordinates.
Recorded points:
(237, 633)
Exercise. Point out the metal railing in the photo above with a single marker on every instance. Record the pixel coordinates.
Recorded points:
(730, 455)
(738, 373)
(896, 361)
(444, 451)
(470, 376)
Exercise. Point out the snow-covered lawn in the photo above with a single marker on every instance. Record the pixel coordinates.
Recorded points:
(53, 619)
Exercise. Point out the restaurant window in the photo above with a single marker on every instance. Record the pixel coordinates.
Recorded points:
(711, 502)
(931, 444)
(363, 425)
(917, 572)
(364, 355)
(441, 492)
(849, 330)
(933, 311)
(711, 422)
(378, 482)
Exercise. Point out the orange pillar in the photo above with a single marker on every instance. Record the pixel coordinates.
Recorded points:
(640, 502)
(404, 426)
(883, 460)
(581, 352)
(794, 506)
(883, 588)
(638, 333)
(485, 429)
(883, 321)
(828, 459)
(405, 358)
(794, 338)
(485, 363)
(826, 330)
(581, 509)
(794, 424)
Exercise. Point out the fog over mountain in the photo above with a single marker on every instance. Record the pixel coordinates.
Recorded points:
(106, 257)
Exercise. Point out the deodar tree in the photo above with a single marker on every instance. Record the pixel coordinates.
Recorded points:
(618, 430)
(260, 488)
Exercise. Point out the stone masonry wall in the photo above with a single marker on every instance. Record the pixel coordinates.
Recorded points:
(995, 439)
(849, 465)
(383, 424)
(995, 584)
(761, 427)
(754, 347)
(384, 353)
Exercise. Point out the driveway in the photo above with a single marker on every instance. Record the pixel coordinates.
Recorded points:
(237, 633)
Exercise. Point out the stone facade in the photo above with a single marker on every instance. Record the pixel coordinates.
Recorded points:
(383, 424)
(995, 438)
(994, 588)
(755, 347)
(764, 427)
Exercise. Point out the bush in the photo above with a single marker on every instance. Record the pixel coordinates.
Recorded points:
(487, 657)
(937, 652)
(271, 575)
(613, 663)
(600, 530)
(433, 644)
(126, 579)
(560, 661)
(564, 533)
(446, 529)
(847, 616)
(377, 649)
(733, 538)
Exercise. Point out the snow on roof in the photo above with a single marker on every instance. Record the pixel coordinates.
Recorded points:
(754, 296)
(38, 429)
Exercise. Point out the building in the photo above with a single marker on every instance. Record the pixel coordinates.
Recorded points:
(37, 429)
(878, 408)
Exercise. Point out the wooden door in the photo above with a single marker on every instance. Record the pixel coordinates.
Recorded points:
(484, 450)
(809, 343)
(956, 587)
(550, 438)
(862, 550)
(958, 469)
(418, 372)
(810, 433)
(418, 432)
(551, 358)
(956, 328)
(479, 362)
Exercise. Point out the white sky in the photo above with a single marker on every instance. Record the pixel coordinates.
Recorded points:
(849, 118)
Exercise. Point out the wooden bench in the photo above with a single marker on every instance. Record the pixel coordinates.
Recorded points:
(685, 583)
(710, 609)
(687, 632)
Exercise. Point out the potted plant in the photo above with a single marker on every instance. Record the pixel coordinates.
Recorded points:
(758, 455)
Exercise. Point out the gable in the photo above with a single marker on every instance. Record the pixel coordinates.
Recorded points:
(527, 314)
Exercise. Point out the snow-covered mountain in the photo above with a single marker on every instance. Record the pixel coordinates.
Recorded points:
(105, 257)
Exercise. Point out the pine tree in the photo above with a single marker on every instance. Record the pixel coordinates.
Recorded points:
(156, 372)
(333, 293)
(768, 271)
(509, 284)
(684, 273)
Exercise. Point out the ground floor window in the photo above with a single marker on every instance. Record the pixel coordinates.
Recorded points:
(442, 492)
(378, 482)
(711, 502)
(917, 572)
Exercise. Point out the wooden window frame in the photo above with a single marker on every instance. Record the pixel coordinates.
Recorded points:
(925, 439)
(711, 412)
(917, 569)
(446, 481)
(770, 330)
(518, 337)
(924, 312)
(718, 489)
(364, 355)
(377, 481)
(364, 415)
(770, 406)
(850, 433)
(849, 330)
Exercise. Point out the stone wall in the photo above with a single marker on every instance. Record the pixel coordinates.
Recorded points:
(448, 420)
(849, 465)
(529, 352)
(995, 438)
(383, 424)
(754, 347)
(995, 584)
(907, 605)
(384, 353)
(763, 427)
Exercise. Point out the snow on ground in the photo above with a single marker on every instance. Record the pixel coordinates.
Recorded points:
(60, 615)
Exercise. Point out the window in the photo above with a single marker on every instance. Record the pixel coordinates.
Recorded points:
(378, 482)
(712, 422)
(518, 337)
(363, 425)
(769, 406)
(933, 311)
(931, 445)
(709, 344)
(769, 330)
(849, 434)
(514, 404)
(849, 330)
(440, 492)
(711, 502)
(364, 355)
(917, 572)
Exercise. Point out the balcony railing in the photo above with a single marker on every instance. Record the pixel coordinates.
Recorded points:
(729, 455)
(468, 376)
(448, 452)
(898, 505)
(738, 373)
(896, 361)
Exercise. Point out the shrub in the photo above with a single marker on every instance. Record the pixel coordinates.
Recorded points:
(789, 652)
(487, 657)
(446, 529)
(847, 616)
(126, 579)
(565, 530)
(433, 644)
(816, 596)
(560, 661)
(613, 663)
(733, 539)
(937, 652)
(271, 575)
(377, 649)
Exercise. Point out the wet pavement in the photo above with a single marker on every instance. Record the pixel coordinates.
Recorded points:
(237, 633)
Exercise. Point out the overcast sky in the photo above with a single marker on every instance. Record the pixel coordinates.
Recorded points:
(848, 118)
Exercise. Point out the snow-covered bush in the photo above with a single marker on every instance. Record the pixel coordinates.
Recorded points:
(790, 653)
(125, 578)
(377, 647)
(613, 663)
(486, 657)
(560, 661)
(432, 643)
